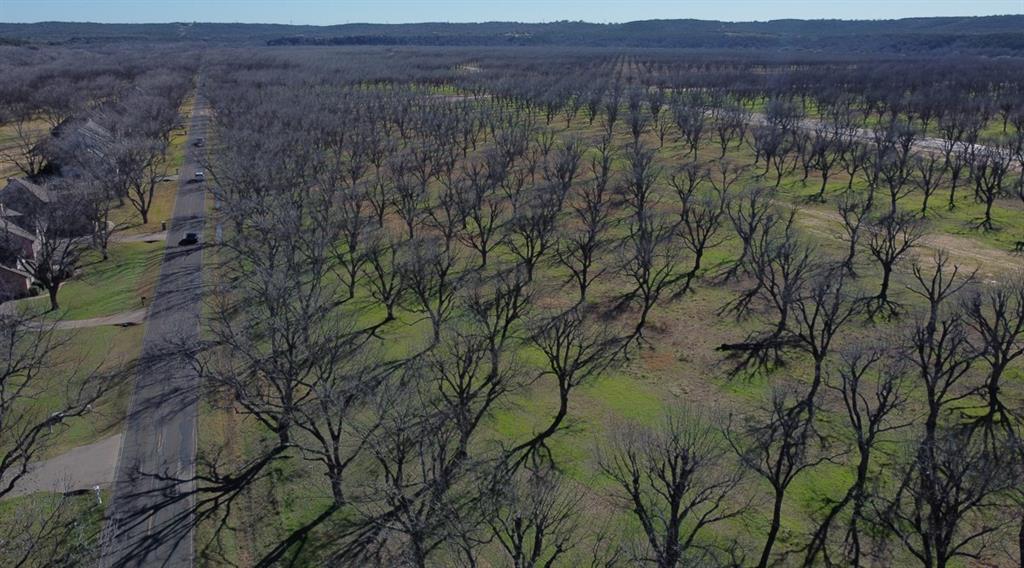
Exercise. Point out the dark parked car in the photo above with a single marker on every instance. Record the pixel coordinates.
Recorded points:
(198, 143)
(189, 240)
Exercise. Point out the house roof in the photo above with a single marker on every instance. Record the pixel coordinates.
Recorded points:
(13, 270)
(90, 129)
(13, 229)
(8, 213)
(95, 131)
(40, 192)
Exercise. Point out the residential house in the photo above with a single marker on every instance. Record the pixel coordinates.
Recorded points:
(73, 136)
(15, 240)
(16, 246)
(14, 283)
(26, 198)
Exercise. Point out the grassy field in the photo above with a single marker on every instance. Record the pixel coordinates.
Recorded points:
(104, 349)
(108, 287)
(8, 144)
(69, 526)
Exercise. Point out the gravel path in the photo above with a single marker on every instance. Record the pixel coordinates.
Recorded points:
(133, 317)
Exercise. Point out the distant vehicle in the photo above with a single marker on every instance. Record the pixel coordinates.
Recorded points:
(199, 175)
(189, 240)
(199, 143)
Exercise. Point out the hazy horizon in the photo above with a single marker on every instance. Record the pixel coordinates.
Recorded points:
(326, 13)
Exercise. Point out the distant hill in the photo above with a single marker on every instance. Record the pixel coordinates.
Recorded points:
(987, 35)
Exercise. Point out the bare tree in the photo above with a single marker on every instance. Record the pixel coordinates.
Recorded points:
(872, 410)
(690, 118)
(148, 169)
(731, 124)
(652, 262)
(891, 237)
(891, 158)
(350, 210)
(430, 274)
(97, 206)
(820, 313)
(854, 210)
(772, 144)
(532, 228)
(434, 484)
(996, 316)
(678, 482)
(854, 160)
(382, 271)
(989, 170)
(482, 210)
(538, 519)
(778, 450)
(826, 149)
(50, 530)
(41, 391)
(24, 149)
(575, 350)
(931, 174)
(58, 250)
(612, 101)
(751, 213)
(578, 250)
(783, 268)
(947, 504)
(700, 216)
(639, 123)
(638, 186)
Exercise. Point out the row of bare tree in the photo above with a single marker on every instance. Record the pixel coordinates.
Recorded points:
(377, 293)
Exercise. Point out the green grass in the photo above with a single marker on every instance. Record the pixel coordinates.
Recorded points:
(107, 348)
(108, 287)
(621, 395)
(75, 522)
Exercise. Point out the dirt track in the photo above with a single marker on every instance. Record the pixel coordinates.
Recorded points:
(990, 261)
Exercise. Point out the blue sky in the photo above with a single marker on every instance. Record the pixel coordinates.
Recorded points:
(325, 12)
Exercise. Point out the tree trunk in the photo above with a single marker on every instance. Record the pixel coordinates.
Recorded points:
(1020, 540)
(773, 533)
(337, 489)
(52, 290)
(824, 183)
(883, 293)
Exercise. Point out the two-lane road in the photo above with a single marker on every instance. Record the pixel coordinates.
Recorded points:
(149, 521)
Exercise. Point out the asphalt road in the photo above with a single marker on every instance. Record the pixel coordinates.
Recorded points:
(149, 521)
(929, 144)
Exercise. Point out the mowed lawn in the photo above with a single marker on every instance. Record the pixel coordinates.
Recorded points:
(108, 352)
(108, 287)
